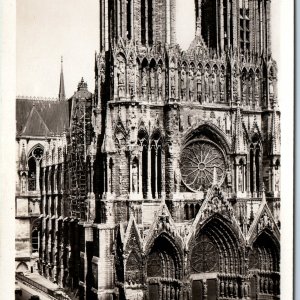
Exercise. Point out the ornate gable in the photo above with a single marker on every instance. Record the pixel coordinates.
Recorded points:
(215, 205)
(264, 220)
(163, 223)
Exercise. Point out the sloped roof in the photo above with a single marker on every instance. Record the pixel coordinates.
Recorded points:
(41, 117)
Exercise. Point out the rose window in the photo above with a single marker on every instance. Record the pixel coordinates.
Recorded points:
(201, 163)
(204, 257)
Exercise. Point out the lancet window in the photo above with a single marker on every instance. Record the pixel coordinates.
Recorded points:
(34, 165)
(244, 26)
(255, 158)
(156, 166)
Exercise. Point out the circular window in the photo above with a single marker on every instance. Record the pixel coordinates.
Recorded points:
(201, 162)
(204, 257)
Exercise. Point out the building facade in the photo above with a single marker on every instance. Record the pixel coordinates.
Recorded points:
(166, 184)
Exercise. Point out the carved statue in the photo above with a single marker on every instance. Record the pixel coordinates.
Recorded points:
(159, 81)
(214, 85)
(144, 82)
(121, 76)
(206, 81)
(222, 84)
(131, 81)
(172, 83)
(199, 86)
(183, 83)
(23, 183)
(177, 179)
(191, 85)
(152, 81)
(134, 178)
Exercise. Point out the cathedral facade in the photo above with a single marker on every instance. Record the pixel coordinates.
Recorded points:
(165, 183)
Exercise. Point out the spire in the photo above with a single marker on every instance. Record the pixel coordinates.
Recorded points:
(239, 146)
(61, 94)
(23, 160)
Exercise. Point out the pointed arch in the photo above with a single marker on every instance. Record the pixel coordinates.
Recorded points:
(167, 254)
(217, 234)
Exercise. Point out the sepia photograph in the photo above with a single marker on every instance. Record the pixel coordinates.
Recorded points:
(150, 150)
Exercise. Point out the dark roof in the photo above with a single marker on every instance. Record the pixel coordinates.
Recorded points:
(41, 117)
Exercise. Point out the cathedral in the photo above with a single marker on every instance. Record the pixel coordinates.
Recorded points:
(164, 183)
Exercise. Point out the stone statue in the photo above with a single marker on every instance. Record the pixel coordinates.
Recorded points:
(144, 82)
(183, 83)
(199, 85)
(191, 85)
(206, 81)
(23, 183)
(152, 81)
(172, 83)
(159, 81)
(214, 85)
(134, 178)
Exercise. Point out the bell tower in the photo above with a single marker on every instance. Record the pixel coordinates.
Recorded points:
(142, 21)
(242, 25)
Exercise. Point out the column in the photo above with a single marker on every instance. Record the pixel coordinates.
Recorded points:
(155, 174)
(163, 182)
(234, 25)
(236, 178)
(38, 188)
(221, 26)
(168, 23)
(146, 22)
(106, 39)
(149, 194)
(140, 170)
(130, 174)
(228, 23)
(254, 176)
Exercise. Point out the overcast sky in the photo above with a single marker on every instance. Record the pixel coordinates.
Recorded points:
(47, 30)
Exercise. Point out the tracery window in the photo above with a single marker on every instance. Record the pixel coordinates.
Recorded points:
(202, 162)
(34, 165)
(204, 256)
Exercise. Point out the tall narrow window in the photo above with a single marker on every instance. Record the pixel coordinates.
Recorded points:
(150, 22)
(209, 23)
(34, 163)
(143, 21)
(251, 169)
(129, 12)
(35, 240)
(257, 167)
(244, 26)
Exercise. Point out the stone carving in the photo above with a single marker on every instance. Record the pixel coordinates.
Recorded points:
(159, 81)
(206, 81)
(265, 222)
(191, 85)
(144, 83)
(121, 75)
(183, 84)
(172, 83)
(199, 86)
(199, 160)
(134, 178)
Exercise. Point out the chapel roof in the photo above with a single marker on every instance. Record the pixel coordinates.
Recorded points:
(41, 118)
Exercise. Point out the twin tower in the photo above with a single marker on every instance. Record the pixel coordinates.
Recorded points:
(223, 24)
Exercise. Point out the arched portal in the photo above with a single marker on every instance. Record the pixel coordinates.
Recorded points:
(164, 270)
(264, 265)
(215, 261)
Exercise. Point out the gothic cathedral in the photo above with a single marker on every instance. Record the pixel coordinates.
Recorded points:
(165, 182)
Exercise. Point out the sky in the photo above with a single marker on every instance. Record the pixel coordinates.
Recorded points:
(47, 30)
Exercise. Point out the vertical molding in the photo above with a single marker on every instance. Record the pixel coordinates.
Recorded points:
(106, 25)
(173, 22)
(221, 26)
(234, 24)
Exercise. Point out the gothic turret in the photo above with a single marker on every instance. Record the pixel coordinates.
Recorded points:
(61, 94)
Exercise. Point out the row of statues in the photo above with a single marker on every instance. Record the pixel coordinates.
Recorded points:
(188, 84)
